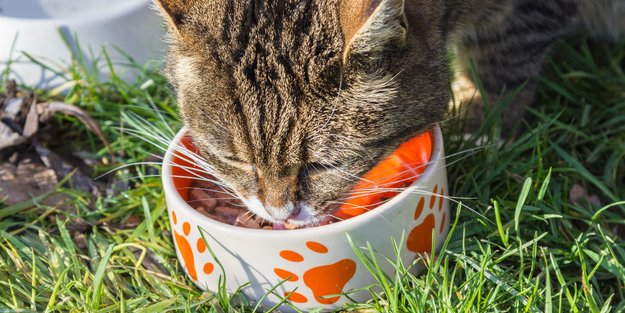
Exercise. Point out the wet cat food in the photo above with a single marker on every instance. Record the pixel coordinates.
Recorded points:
(214, 202)
(379, 185)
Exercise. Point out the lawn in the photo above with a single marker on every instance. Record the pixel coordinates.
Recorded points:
(541, 234)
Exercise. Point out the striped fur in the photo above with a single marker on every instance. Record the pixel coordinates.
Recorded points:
(292, 100)
(509, 42)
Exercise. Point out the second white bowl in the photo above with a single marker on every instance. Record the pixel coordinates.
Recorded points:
(38, 28)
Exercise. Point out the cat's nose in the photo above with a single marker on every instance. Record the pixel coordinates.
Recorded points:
(296, 209)
(278, 194)
(278, 206)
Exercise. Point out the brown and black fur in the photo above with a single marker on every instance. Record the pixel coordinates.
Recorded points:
(508, 42)
(291, 100)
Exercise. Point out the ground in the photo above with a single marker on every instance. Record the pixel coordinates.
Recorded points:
(541, 234)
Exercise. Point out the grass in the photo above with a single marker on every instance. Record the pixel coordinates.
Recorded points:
(534, 250)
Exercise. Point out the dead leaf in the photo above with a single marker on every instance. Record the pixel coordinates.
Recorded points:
(132, 222)
(47, 109)
(25, 181)
(32, 120)
(13, 107)
(22, 180)
(11, 130)
(64, 169)
(9, 137)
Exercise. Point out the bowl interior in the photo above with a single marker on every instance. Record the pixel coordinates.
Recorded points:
(405, 166)
(391, 176)
(184, 171)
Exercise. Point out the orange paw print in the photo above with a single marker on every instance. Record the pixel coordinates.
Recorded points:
(322, 280)
(186, 250)
(420, 237)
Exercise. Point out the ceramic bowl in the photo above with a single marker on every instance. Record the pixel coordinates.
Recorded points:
(52, 30)
(316, 265)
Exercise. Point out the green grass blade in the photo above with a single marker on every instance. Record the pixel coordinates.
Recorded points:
(527, 185)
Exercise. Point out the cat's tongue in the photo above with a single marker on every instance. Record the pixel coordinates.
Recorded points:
(279, 226)
(287, 226)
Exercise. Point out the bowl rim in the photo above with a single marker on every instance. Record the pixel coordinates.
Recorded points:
(105, 15)
(173, 197)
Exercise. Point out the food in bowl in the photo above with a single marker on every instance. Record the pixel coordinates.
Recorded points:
(309, 267)
(382, 183)
(216, 203)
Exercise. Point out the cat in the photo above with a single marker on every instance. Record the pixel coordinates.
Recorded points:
(291, 101)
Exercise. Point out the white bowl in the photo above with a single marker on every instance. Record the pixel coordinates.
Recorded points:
(37, 27)
(319, 260)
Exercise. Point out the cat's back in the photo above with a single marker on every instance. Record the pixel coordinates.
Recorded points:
(603, 18)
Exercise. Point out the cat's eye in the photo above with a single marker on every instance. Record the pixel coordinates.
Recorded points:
(233, 159)
(239, 163)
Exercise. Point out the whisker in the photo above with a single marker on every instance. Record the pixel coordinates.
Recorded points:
(332, 216)
(181, 152)
(204, 199)
(221, 190)
(335, 103)
(425, 193)
(390, 179)
(121, 167)
(237, 205)
(160, 116)
(247, 216)
(146, 131)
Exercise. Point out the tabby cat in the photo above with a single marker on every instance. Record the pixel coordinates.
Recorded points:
(290, 101)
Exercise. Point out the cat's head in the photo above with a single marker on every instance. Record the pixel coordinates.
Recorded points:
(291, 101)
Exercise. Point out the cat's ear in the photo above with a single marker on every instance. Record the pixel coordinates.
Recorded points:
(370, 25)
(174, 12)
